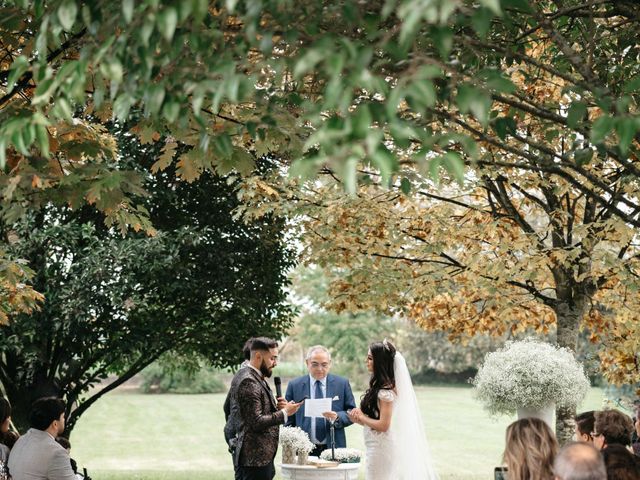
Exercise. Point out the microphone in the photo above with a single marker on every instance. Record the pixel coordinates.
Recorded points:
(278, 383)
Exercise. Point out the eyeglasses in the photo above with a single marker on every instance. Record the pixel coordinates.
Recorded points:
(318, 365)
(595, 434)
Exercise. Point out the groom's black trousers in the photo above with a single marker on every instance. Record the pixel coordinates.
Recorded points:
(257, 473)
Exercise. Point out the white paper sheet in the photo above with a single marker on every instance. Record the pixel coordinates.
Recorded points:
(316, 407)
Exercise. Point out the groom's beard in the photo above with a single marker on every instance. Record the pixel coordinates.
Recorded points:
(266, 371)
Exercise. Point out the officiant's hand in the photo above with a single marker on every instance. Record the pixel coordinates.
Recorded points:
(292, 407)
(281, 402)
(331, 416)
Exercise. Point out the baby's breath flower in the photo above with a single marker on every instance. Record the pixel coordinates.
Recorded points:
(343, 455)
(296, 438)
(530, 374)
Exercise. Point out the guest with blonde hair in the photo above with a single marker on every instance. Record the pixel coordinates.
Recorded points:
(530, 449)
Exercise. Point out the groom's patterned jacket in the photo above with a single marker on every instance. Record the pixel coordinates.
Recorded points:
(258, 422)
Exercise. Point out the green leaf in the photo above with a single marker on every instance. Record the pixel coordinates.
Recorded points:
(496, 81)
(361, 121)
(454, 164)
(112, 69)
(434, 169)
(575, 115)
(67, 12)
(385, 162)
(243, 161)
(42, 137)
(601, 128)
(493, 5)
(481, 21)
(632, 85)
(167, 22)
(223, 146)
(18, 67)
(231, 5)
(43, 92)
(62, 109)
(504, 126)
(583, 156)
(305, 167)
(171, 110)
(405, 186)
(154, 98)
(127, 10)
(409, 28)
(443, 39)
(626, 129)
(309, 60)
(522, 5)
(474, 100)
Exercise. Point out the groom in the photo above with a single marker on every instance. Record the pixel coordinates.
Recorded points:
(259, 416)
(321, 384)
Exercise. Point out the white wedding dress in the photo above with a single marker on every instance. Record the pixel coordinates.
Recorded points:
(402, 452)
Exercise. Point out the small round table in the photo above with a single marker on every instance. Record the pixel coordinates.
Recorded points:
(344, 471)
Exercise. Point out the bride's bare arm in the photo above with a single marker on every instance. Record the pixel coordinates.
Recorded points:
(380, 425)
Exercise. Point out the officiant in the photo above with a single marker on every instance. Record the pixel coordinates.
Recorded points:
(319, 383)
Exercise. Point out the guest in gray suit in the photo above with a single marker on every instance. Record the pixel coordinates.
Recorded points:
(36, 455)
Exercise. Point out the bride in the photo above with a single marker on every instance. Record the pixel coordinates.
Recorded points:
(393, 432)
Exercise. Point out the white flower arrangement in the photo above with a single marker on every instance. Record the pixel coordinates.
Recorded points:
(343, 455)
(296, 439)
(530, 374)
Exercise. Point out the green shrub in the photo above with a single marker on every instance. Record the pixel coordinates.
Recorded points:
(158, 378)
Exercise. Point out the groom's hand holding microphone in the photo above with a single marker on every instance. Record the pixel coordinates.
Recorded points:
(290, 408)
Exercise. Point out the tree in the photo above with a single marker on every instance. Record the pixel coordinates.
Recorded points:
(504, 253)
(522, 89)
(346, 334)
(328, 83)
(202, 285)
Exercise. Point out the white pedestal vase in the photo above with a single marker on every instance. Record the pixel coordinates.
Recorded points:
(547, 414)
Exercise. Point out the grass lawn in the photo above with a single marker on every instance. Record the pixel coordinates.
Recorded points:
(179, 437)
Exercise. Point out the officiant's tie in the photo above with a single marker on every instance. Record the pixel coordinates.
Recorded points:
(321, 428)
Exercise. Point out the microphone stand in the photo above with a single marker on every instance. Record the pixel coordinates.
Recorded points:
(333, 440)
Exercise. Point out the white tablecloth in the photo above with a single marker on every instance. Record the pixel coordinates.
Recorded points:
(344, 471)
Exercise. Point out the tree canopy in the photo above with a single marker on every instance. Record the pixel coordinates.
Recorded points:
(548, 87)
(197, 289)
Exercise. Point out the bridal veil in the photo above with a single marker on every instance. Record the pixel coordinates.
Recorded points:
(412, 450)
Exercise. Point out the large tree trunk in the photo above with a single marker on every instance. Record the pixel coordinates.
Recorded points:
(569, 315)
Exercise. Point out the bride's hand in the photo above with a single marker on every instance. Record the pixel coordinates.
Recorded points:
(355, 415)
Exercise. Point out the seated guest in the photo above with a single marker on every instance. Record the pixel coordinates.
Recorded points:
(36, 455)
(579, 461)
(9, 438)
(621, 463)
(611, 427)
(530, 449)
(66, 444)
(5, 422)
(584, 426)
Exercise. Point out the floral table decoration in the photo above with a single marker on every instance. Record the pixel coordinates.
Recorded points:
(532, 378)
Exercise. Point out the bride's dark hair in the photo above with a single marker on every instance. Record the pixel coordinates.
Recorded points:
(382, 377)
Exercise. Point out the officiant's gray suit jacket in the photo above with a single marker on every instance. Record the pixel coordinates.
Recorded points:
(299, 388)
(37, 456)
